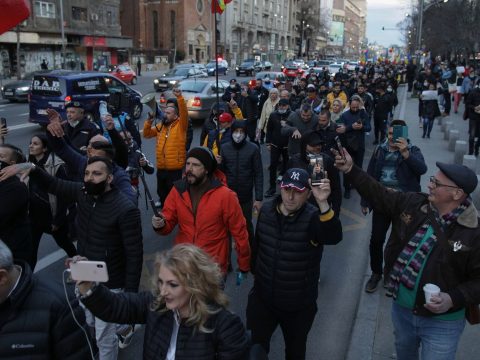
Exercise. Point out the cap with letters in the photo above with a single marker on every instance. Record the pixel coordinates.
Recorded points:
(295, 178)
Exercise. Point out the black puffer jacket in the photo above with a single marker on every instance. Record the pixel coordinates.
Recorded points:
(242, 164)
(36, 323)
(286, 254)
(108, 228)
(227, 342)
(274, 129)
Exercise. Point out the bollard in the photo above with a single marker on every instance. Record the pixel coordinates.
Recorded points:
(448, 127)
(470, 161)
(461, 148)
(440, 120)
(476, 194)
(445, 124)
(452, 139)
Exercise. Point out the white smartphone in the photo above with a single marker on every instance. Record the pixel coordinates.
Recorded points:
(89, 271)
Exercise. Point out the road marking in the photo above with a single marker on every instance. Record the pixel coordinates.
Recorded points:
(21, 126)
(49, 260)
(401, 116)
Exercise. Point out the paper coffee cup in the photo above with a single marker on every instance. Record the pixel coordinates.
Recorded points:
(430, 289)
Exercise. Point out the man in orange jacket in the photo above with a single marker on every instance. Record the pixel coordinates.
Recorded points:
(171, 136)
(206, 212)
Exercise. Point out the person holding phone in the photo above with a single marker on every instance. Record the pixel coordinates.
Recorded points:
(429, 108)
(185, 312)
(398, 165)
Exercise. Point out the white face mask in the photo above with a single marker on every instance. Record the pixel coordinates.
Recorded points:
(282, 111)
(232, 86)
(238, 137)
(74, 123)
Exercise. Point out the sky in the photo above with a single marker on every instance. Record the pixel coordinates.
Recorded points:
(385, 13)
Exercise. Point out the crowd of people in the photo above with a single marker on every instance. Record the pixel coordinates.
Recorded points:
(80, 183)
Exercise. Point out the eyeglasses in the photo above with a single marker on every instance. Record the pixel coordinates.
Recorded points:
(437, 183)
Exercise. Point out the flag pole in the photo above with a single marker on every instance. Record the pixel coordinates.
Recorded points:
(216, 59)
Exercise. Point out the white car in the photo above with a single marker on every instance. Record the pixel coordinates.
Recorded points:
(333, 68)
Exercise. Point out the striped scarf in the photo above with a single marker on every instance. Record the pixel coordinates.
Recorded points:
(407, 275)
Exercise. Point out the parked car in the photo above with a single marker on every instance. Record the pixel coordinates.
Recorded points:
(19, 90)
(276, 78)
(222, 67)
(352, 65)
(322, 63)
(248, 68)
(291, 69)
(173, 77)
(266, 65)
(301, 63)
(126, 74)
(200, 94)
(333, 68)
(53, 89)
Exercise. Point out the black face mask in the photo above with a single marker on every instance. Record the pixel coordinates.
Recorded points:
(3, 164)
(95, 189)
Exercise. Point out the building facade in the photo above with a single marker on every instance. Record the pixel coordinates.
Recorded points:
(92, 37)
(166, 29)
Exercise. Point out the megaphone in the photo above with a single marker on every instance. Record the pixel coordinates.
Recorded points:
(149, 99)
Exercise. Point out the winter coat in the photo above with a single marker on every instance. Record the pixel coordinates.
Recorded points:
(295, 122)
(218, 216)
(268, 108)
(472, 101)
(108, 229)
(383, 107)
(36, 322)
(456, 272)
(80, 135)
(171, 147)
(228, 341)
(274, 130)
(242, 164)
(286, 254)
(355, 139)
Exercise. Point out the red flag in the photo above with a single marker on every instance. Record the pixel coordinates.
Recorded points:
(218, 6)
(14, 12)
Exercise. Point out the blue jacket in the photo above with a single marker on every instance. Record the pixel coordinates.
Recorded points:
(76, 164)
(408, 171)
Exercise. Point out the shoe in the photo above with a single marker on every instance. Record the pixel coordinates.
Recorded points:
(270, 193)
(428, 136)
(420, 126)
(386, 281)
(423, 136)
(372, 283)
(346, 195)
(125, 339)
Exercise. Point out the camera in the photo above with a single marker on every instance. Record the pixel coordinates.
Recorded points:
(317, 161)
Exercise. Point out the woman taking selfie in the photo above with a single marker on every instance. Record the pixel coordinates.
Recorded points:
(185, 314)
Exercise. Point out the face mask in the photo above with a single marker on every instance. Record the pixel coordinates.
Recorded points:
(282, 111)
(74, 123)
(95, 189)
(3, 164)
(267, 82)
(389, 89)
(238, 137)
(232, 86)
(425, 83)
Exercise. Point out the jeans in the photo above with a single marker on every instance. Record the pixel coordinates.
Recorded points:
(436, 339)
(105, 334)
(380, 225)
(427, 126)
(263, 319)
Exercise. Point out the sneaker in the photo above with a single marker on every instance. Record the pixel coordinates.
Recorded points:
(270, 193)
(126, 338)
(372, 283)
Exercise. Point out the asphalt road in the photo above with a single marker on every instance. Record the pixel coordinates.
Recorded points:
(342, 269)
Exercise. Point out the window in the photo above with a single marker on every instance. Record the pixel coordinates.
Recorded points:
(109, 18)
(45, 9)
(200, 6)
(94, 85)
(190, 49)
(79, 14)
(155, 29)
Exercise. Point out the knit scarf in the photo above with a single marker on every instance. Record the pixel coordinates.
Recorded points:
(407, 275)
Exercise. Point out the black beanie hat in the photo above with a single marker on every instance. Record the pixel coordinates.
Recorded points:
(205, 156)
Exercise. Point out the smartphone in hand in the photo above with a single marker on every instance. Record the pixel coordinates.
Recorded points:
(86, 270)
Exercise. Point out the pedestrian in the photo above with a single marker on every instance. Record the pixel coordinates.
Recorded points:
(47, 213)
(383, 106)
(472, 110)
(185, 313)
(241, 162)
(411, 70)
(44, 64)
(277, 144)
(14, 221)
(267, 109)
(108, 229)
(286, 256)
(337, 110)
(337, 93)
(247, 100)
(398, 165)
(139, 67)
(418, 253)
(36, 321)
(171, 135)
(430, 109)
(206, 211)
(298, 122)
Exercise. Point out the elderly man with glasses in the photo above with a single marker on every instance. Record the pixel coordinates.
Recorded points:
(435, 239)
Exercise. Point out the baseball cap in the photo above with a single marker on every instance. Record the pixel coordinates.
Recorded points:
(295, 178)
(75, 104)
(225, 117)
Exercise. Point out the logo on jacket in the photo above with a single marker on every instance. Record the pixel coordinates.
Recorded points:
(458, 246)
(406, 218)
(22, 346)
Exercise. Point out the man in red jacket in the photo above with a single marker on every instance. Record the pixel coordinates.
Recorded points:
(206, 211)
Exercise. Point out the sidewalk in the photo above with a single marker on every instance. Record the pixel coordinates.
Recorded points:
(372, 335)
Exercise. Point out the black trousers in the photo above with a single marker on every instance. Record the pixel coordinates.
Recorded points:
(380, 128)
(165, 180)
(275, 154)
(410, 84)
(247, 208)
(263, 319)
(60, 236)
(380, 225)
(357, 157)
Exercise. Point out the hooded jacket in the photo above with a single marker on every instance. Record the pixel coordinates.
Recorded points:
(218, 216)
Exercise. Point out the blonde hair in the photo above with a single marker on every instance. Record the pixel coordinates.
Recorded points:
(201, 277)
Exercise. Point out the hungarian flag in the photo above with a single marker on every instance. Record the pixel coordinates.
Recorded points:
(218, 6)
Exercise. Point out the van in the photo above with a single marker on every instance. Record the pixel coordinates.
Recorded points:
(54, 89)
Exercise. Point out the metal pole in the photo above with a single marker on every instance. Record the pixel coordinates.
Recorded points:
(62, 29)
(19, 71)
(420, 25)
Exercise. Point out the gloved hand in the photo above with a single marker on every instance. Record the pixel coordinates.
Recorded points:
(241, 276)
